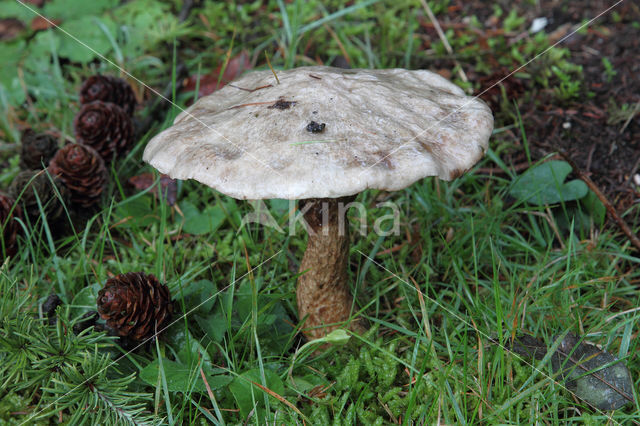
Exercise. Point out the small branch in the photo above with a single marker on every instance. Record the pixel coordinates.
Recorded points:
(610, 209)
(271, 68)
(250, 90)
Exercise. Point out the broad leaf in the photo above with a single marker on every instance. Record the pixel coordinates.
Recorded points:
(136, 212)
(195, 288)
(85, 300)
(181, 378)
(215, 325)
(544, 184)
(95, 34)
(188, 347)
(69, 9)
(248, 395)
(201, 222)
(594, 375)
(10, 86)
(13, 9)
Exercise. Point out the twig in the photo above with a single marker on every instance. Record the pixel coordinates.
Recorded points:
(251, 104)
(610, 209)
(250, 90)
(443, 37)
(270, 67)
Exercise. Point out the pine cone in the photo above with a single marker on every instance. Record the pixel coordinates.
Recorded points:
(27, 183)
(9, 226)
(108, 89)
(37, 148)
(135, 305)
(105, 127)
(81, 169)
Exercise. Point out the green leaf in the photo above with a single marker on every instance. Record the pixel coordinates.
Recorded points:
(543, 184)
(181, 378)
(9, 80)
(43, 44)
(90, 32)
(197, 222)
(144, 23)
(13, 9)
(136, 212)
(188, 347)
(69, 9)
(215, 325)
(247, 395)
(595, 207)
(85, 300)
(195, 287)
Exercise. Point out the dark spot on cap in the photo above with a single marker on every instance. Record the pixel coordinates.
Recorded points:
(314, 127)
(282, 104)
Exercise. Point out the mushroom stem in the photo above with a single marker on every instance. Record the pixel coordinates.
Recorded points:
(323, 294)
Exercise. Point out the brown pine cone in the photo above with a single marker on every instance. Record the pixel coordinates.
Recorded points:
(51, 194)
(9, 226)
(37, 148)
(105, 127)
(108, 89)
(81, 169)
(135, 305)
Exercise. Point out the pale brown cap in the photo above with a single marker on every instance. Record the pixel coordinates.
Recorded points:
(383, 129)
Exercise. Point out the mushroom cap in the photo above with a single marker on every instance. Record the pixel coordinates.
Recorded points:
(383, 129)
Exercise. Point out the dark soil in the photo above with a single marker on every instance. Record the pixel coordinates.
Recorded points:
(591, 129)
(596, 137)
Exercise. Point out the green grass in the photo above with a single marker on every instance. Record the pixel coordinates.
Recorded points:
(470, 268)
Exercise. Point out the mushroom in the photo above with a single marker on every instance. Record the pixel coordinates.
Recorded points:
(321, 135)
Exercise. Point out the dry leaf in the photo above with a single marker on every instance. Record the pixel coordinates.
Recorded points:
(10, 28)
(146, 180)
(39, 23)
(592, 374)
(212, 81)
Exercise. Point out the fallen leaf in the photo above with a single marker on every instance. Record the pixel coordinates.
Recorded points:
(10, 28)
(146, 180)
(39, 23)
(528, 347)
(592, 374)
(212, 81)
